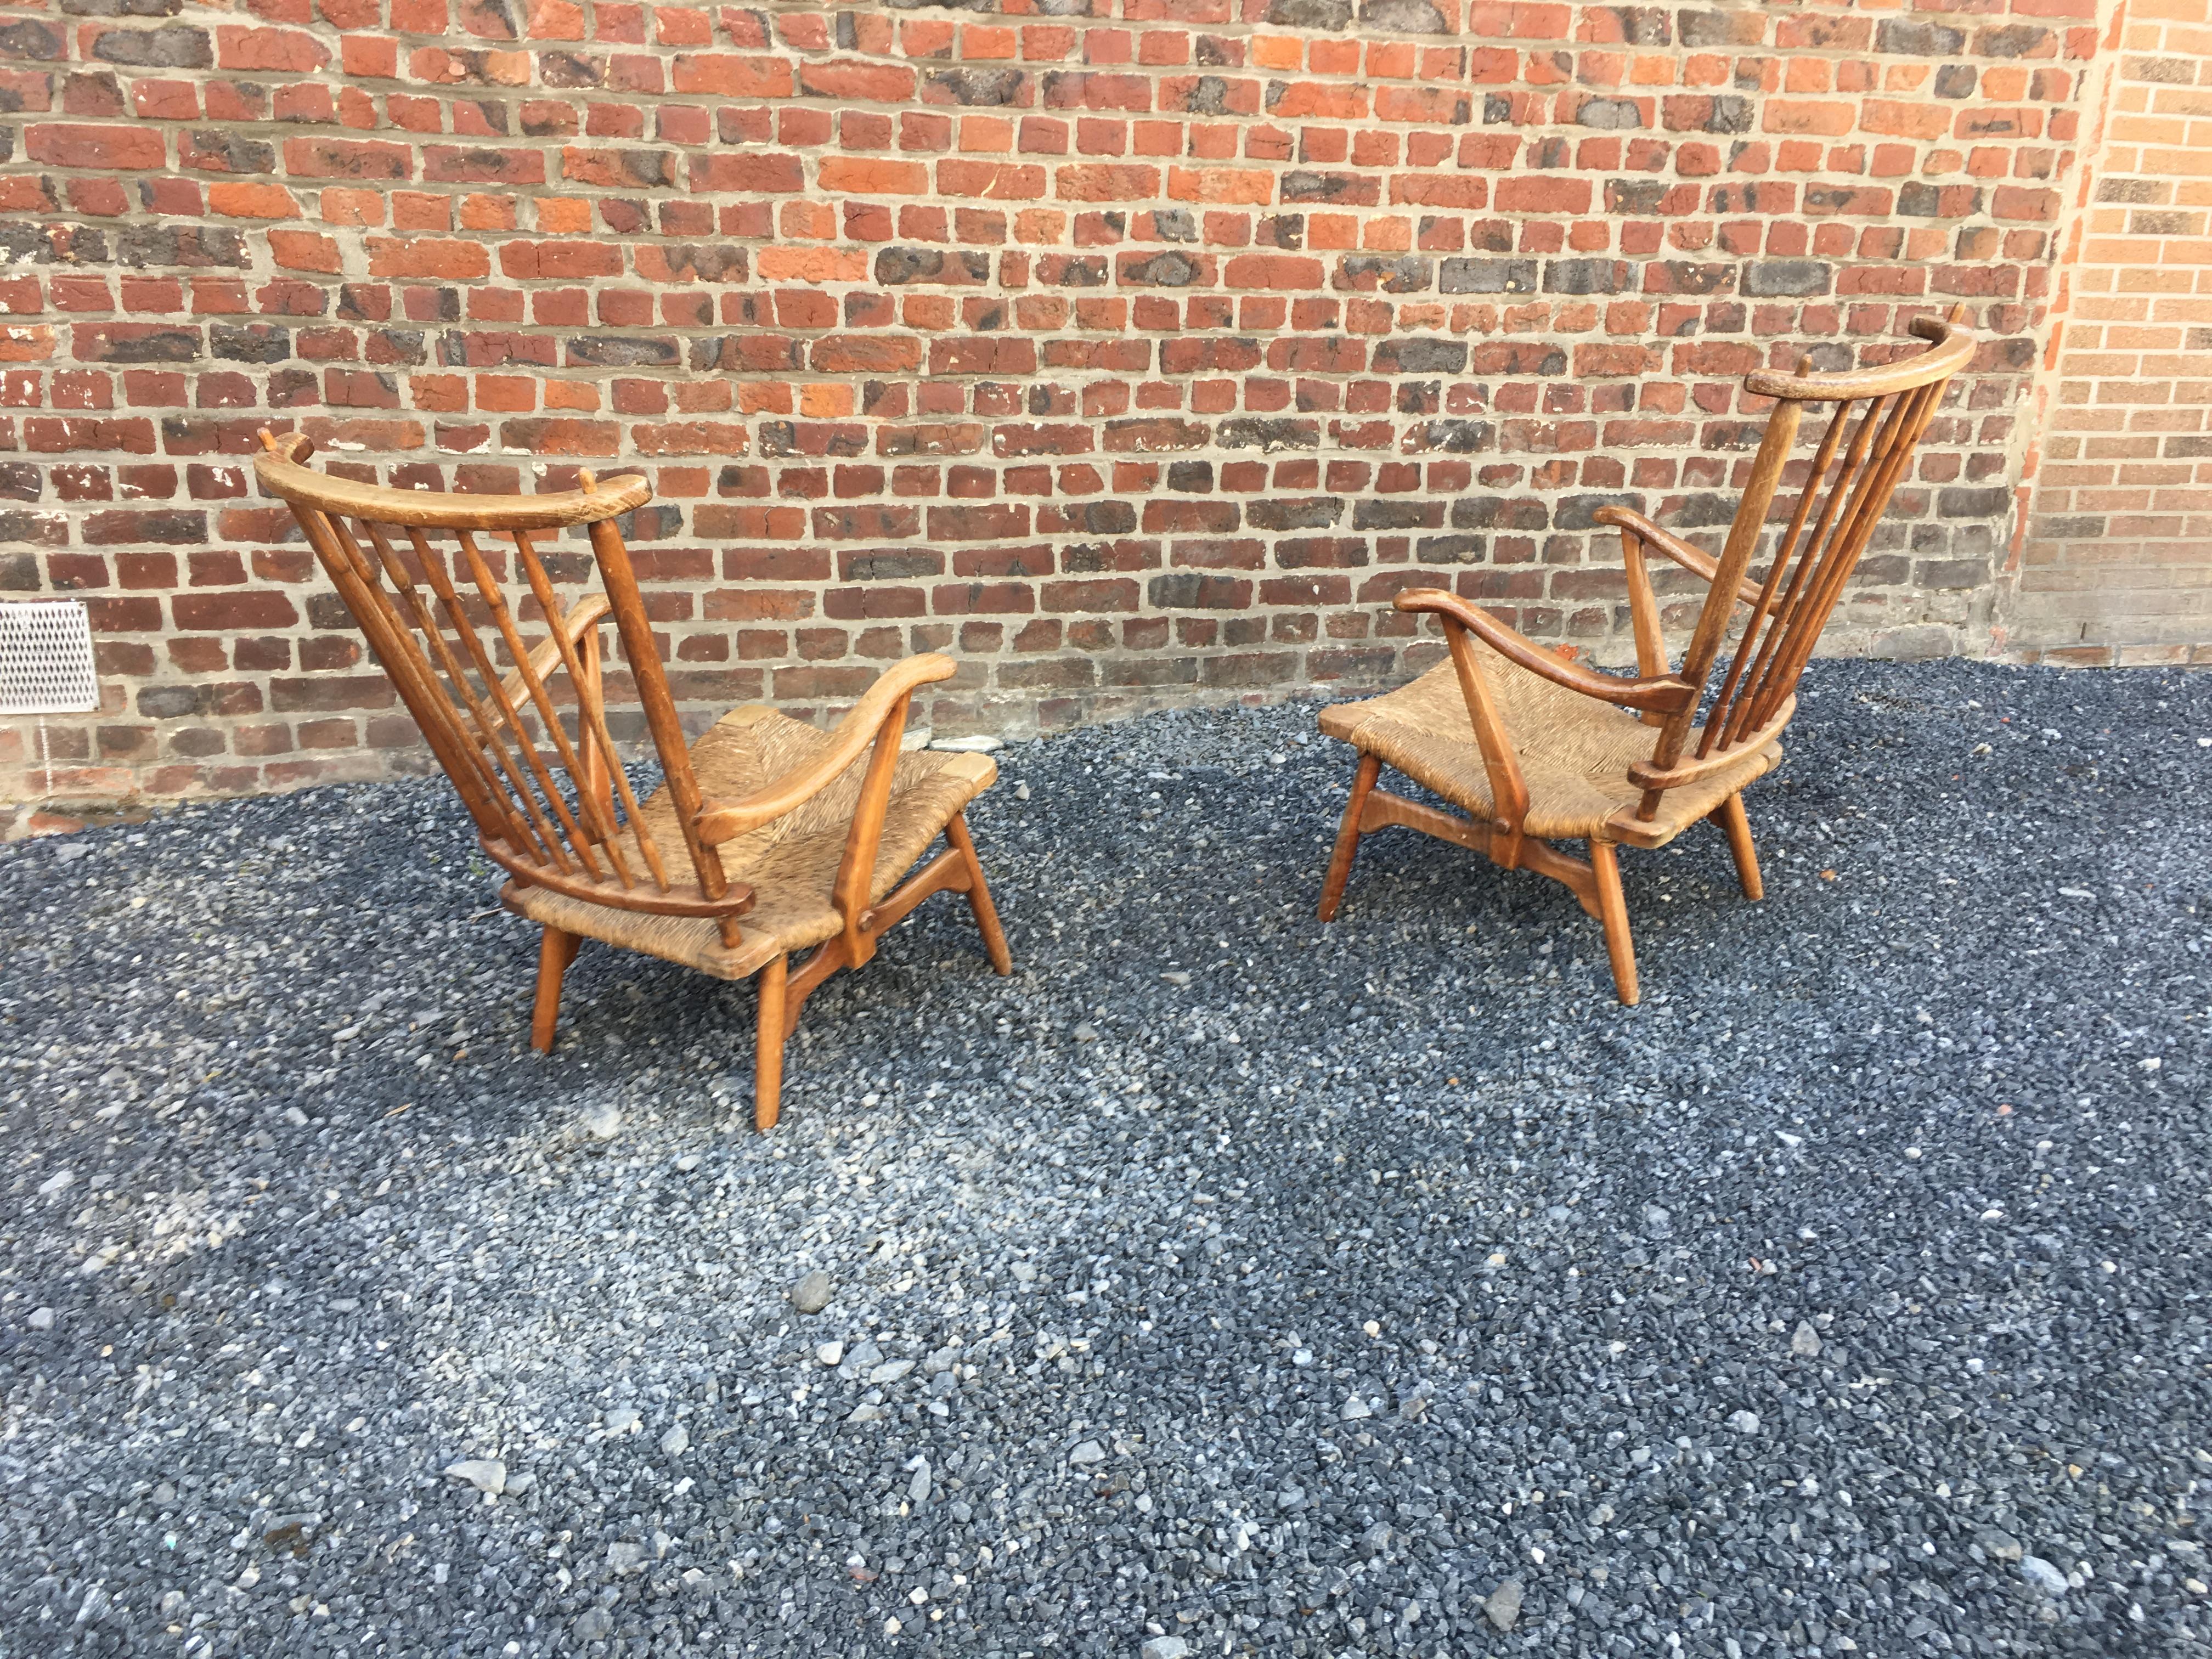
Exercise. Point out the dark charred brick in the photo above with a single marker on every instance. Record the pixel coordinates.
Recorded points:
(976, 87)
(1310, 14)
(1296, 513)
(250, 343)
(1775, 278)
(175, 47)
(1269, 433)
(1418, 355)
(1489, 276)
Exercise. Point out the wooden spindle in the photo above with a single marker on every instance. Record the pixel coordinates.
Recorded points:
(590, 711)
(1783, 550)
(488, 586)
(386, 635)
(620, 577)
(541, 833)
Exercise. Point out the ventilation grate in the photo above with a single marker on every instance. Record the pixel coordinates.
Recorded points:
(45, 659)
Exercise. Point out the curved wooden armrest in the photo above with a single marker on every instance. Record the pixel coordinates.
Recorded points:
(1645, 774)
(590, 609)
(1658, 692)
(719, 821)
(1665, 541)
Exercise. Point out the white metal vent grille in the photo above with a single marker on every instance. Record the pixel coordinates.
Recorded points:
(45, 659)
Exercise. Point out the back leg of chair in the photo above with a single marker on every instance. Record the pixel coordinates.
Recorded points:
(556, 950)
(768, 1049)
(1612, 910)
(1347, 838)
(1730, 817)
(979, 895)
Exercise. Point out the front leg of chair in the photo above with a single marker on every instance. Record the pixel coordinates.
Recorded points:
(979, 895)
(1730, 816)
(1612, 910)
(556, 950)
(1348, 837)
(767, 1052)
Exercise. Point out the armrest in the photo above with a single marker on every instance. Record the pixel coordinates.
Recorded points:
(719, 821)
(588, 611)
(1672, 545)
(1656, 692)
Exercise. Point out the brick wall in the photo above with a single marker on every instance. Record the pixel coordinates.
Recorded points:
(2116, 561)
(1134, 350)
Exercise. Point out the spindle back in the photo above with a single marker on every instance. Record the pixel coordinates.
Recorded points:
(1864, 451)
(491, 699)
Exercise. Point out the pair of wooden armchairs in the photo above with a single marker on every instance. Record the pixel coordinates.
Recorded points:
(768, 837)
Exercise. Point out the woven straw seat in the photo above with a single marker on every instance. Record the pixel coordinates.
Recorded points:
(1533, 748)
(1574, 752)
(767, 836)
(790, 864)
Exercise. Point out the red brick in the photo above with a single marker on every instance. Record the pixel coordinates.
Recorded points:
(124, 148)
(1126, 360)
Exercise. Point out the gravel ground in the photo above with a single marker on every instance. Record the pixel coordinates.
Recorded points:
(1219, 1284)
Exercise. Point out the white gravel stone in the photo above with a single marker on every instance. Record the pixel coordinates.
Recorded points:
(2042, 1575)
(1998, 1544)
(811, 1295)
(1503, 1605)
(484, 1474)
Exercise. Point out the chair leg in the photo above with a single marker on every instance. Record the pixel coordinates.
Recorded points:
(556, 950)
(768, 1045)
(1612, 910)
(979, 895)
(1347, 838)
(1738, 827)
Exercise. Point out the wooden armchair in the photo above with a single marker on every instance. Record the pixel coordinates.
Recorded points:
(767, 836)
(1536, 748)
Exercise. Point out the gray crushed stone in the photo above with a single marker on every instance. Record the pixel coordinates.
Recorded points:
(1219, 1284)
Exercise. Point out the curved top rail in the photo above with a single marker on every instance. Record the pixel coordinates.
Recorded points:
(1954, 346)
(281, 474)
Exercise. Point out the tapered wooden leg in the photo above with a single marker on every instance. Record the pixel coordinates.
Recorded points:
(556, 950)
(979, 895)
(1732, 820)
(768, 1051)
(1347, 838)
(1612, 910)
